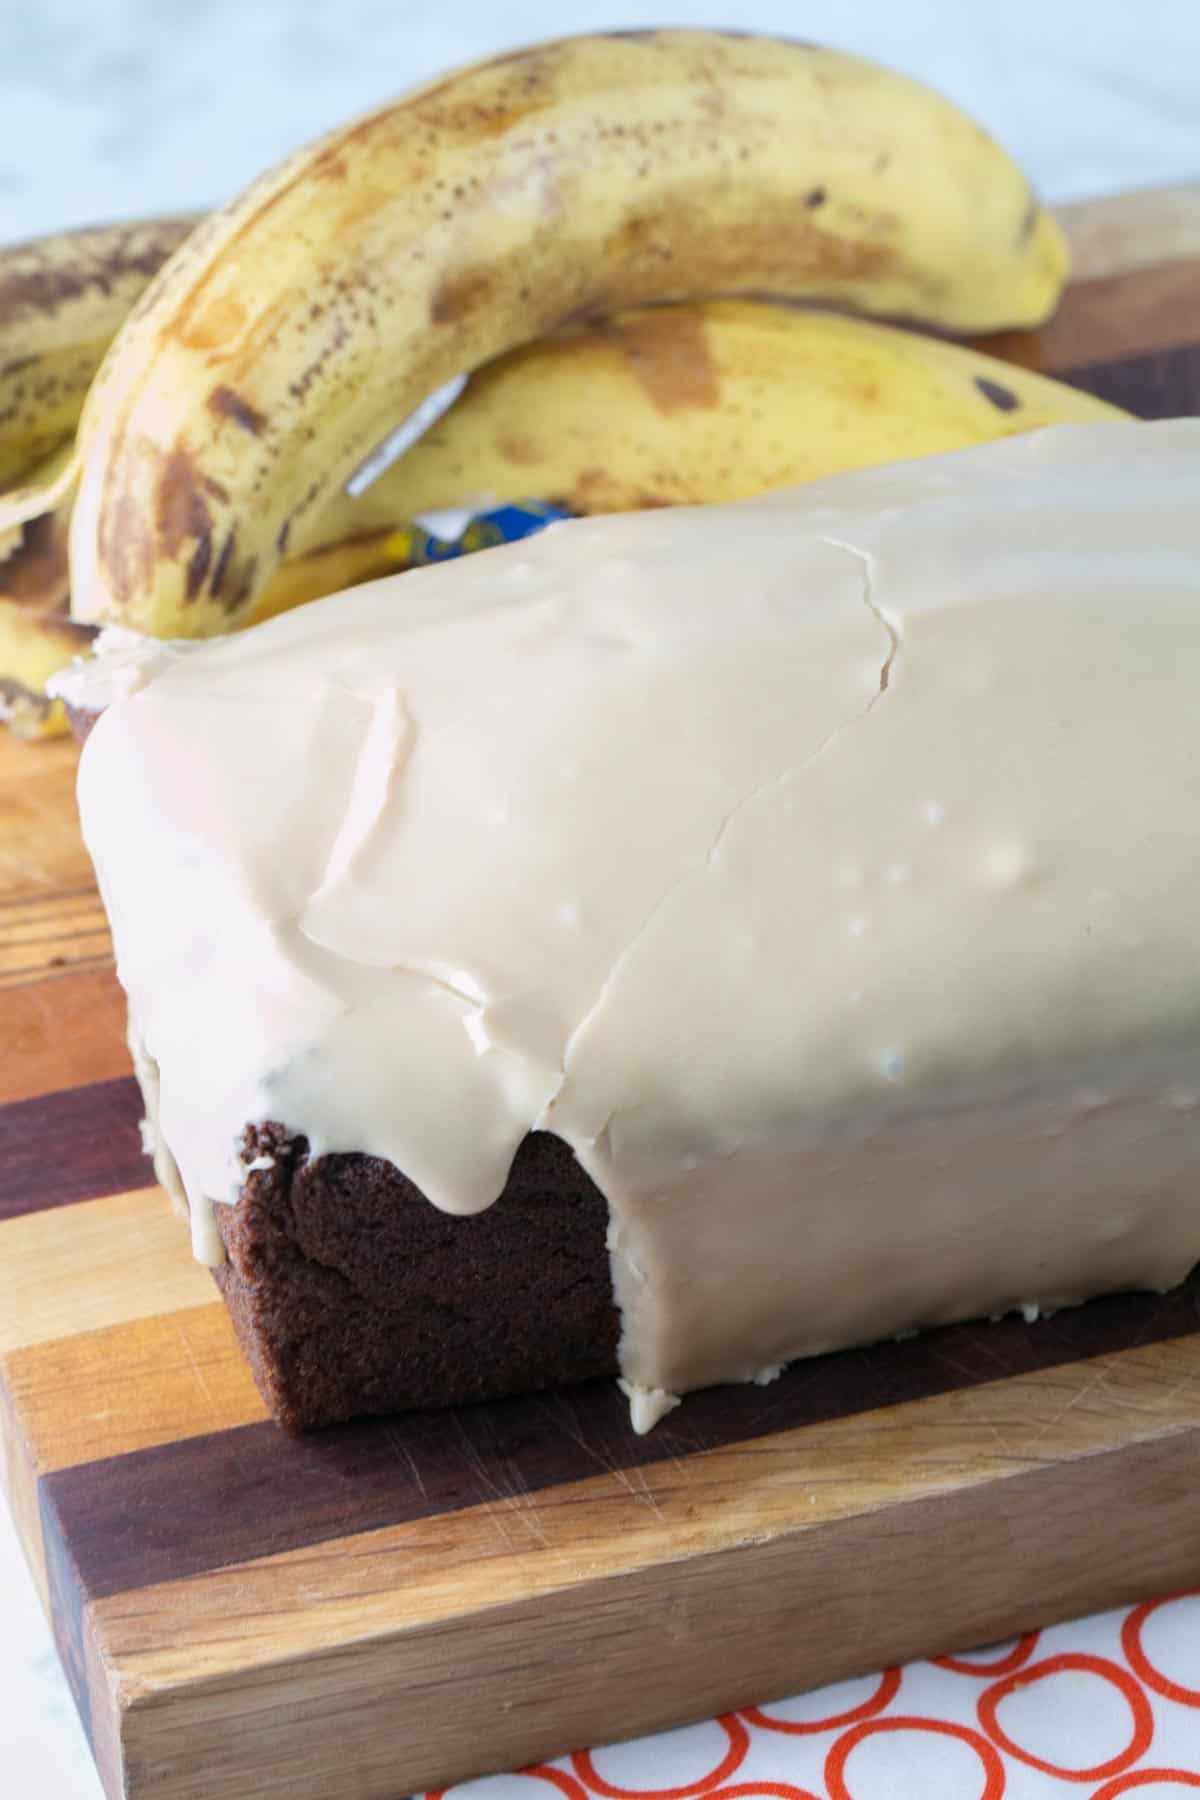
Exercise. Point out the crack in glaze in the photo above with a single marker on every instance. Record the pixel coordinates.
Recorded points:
(866, 564)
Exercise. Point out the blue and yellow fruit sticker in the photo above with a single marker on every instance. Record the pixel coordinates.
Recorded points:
(415, 545)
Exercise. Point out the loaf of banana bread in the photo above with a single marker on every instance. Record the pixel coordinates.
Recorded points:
(683, 942)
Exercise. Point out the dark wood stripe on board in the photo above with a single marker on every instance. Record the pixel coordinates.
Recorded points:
(1112, 317)
(1165, 385)
(181, 1509)
(78, 1144)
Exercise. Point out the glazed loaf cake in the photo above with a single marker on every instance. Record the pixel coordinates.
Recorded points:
(686, 941)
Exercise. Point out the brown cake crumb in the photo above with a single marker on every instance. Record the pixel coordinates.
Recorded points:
(352, 1294)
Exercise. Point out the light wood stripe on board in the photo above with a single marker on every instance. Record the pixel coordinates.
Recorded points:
(143, 1382)
(102, 1262)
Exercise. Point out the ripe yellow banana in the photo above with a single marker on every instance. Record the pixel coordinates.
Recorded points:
(62, 300)
(297, 326)
(674, 406)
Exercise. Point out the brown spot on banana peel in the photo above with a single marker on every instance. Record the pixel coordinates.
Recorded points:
(181, 510)
(116, 255)
(230, 581)
(221, 567)
(1001, 397)
(227, 403)
(36, 572)
(460, 292)
(669, 355)
(197, 567)
(243, 583)
(182, 516)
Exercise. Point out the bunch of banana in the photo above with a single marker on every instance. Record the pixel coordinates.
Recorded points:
(243, 381)
(576, 179)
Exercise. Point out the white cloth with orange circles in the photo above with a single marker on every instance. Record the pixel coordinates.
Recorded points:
(1104, 1707)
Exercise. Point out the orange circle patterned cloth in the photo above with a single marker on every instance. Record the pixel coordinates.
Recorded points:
(1104, 1707)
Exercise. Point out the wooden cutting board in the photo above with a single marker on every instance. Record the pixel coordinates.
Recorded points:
(399, 1604)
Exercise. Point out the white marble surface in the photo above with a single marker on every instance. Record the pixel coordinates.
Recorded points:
(114, 108)
(117, 108)
(42, 1747)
